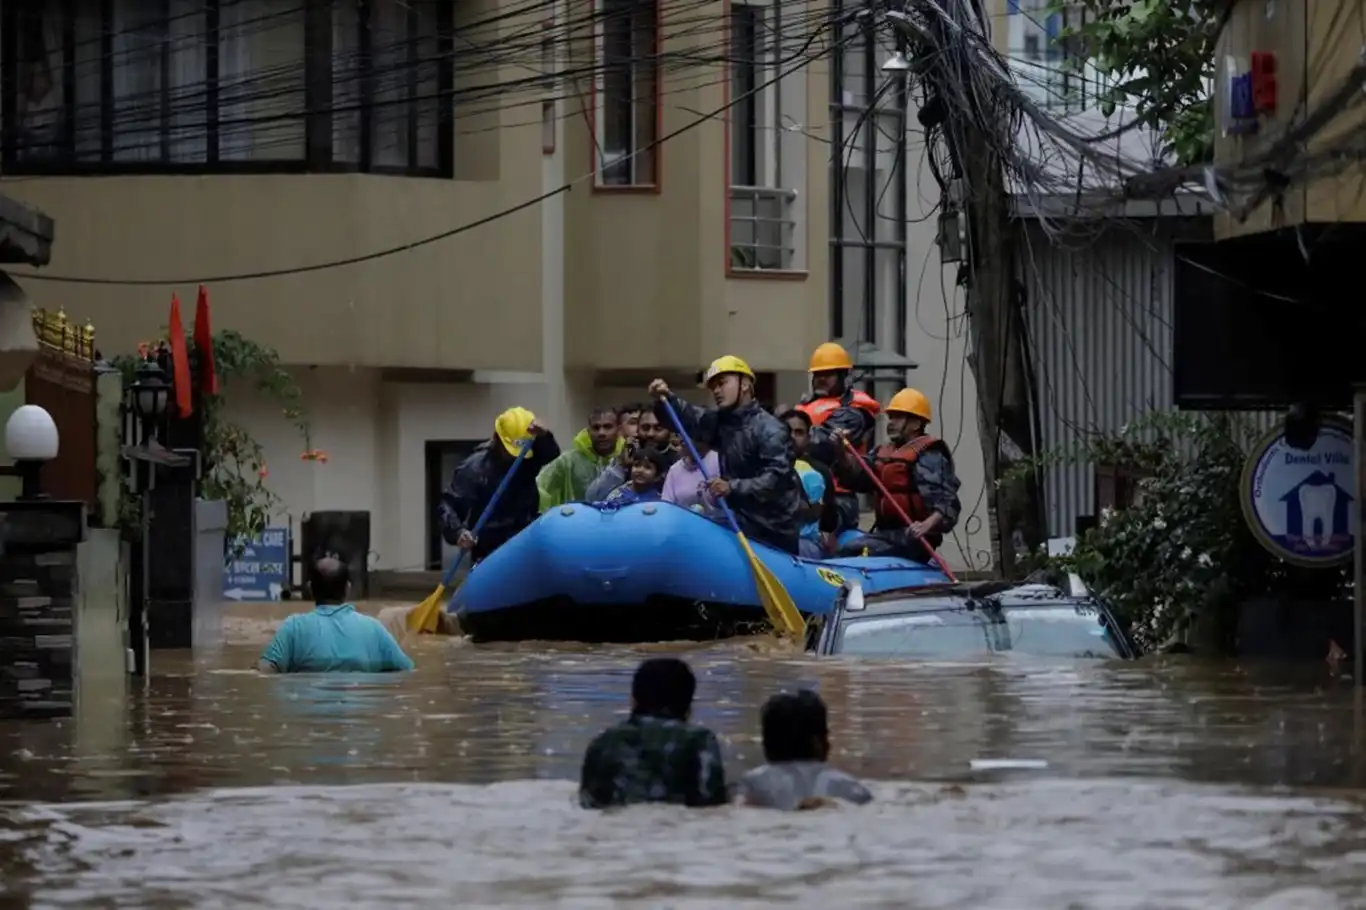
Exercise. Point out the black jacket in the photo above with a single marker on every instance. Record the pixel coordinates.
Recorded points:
(756, 456)
(472, 486)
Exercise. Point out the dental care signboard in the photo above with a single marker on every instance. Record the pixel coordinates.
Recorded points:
(1301, 504)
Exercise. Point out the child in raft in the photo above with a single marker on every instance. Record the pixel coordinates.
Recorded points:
(646, 480)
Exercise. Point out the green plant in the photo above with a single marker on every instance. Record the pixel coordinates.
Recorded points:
(1158, 57)
(235, 469)
(1177, 562)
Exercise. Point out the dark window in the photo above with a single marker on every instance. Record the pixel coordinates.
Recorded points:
(109, 86)
(628, 112)
(745, 66)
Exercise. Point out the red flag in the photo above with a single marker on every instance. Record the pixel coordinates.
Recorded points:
(180, 360)
(203, 340)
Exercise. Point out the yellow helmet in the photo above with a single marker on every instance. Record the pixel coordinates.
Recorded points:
(511, 428)
(829, 356)
(727, 364)
(913, 402)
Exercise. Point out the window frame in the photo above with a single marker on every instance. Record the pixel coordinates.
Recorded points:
(598, 137)
(848, 33)
(316, 56)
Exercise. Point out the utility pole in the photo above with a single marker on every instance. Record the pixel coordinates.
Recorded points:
(1000, 361)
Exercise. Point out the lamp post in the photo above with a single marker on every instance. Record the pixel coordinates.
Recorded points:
(31, 439)
(148, 396)
(145, 404)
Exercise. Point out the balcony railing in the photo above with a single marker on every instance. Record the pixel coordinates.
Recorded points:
(762, 229)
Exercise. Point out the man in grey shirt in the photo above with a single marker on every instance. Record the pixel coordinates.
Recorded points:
(796, 736)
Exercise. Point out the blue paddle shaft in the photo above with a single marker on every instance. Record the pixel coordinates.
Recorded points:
(488, 510)
(701, 468)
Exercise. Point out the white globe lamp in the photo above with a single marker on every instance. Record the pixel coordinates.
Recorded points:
(31, 439)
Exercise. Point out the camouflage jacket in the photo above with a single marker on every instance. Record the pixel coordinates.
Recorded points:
(653, 760)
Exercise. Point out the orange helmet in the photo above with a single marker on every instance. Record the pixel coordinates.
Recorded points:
(913, 402)
(829, 356)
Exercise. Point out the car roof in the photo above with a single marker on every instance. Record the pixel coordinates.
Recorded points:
(931, 598)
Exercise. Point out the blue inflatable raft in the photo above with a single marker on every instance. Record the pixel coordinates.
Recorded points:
(645, 572)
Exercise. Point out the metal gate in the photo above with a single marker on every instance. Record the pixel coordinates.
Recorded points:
(61, 380)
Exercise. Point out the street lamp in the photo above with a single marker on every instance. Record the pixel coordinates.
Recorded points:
(31, 439)
(897, 63)
(150, 393)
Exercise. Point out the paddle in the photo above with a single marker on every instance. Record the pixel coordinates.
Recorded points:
(777, 603)
(901, 513)
(423, 617)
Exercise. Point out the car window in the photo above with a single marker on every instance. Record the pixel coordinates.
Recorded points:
(948, 634)
(1058, 631)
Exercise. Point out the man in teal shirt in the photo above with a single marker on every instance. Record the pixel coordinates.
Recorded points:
(334, 636)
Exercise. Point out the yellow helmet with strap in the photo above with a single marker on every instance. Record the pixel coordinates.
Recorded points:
(829, 356)
(913, 402)
(727, 364)
(513, 427)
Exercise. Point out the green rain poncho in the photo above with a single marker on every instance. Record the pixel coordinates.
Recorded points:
(566, 479)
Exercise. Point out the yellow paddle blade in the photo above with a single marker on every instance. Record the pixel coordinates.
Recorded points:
(424, 616)
(782, 612)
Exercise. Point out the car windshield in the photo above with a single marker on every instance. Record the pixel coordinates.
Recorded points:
(1060, 630)
(953, 632)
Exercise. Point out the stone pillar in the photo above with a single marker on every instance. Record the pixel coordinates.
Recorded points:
(38, 591)
(169, 553)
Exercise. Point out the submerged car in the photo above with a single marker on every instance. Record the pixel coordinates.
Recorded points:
(954, 621)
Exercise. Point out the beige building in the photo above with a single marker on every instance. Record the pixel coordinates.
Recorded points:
(425, 220)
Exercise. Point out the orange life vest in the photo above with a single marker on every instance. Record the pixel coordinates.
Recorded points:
(895, 467)
(819, 409)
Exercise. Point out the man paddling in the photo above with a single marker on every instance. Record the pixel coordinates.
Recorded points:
(475, 480)
(918, 482)
(753, 449)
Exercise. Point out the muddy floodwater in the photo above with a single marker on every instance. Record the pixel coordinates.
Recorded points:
(1162, 785)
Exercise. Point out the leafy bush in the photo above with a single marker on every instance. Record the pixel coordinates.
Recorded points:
(1178, 561)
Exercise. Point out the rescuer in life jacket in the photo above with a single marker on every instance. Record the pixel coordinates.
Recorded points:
(917, 470)
(832, 406)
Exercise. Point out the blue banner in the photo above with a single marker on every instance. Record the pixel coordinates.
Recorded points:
(260, 572)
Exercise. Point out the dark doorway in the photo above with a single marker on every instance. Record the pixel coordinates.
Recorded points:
(442, 456)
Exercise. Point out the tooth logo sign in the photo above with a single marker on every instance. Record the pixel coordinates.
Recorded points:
(1301, 504)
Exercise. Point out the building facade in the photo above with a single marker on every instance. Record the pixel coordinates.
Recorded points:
(432, 210)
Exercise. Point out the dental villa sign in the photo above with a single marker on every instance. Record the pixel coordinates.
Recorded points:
(1301, 504)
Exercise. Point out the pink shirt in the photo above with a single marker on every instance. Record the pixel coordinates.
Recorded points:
(683, 484)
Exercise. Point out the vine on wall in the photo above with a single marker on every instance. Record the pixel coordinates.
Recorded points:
(235, 469)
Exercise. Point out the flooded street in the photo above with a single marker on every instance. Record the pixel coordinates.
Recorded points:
(1166, 785)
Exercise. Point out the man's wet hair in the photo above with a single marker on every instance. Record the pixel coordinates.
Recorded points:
(328, 577)
(603, 411)
(663, 687)
(634, 407)
(795, 727)
(793, 413)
